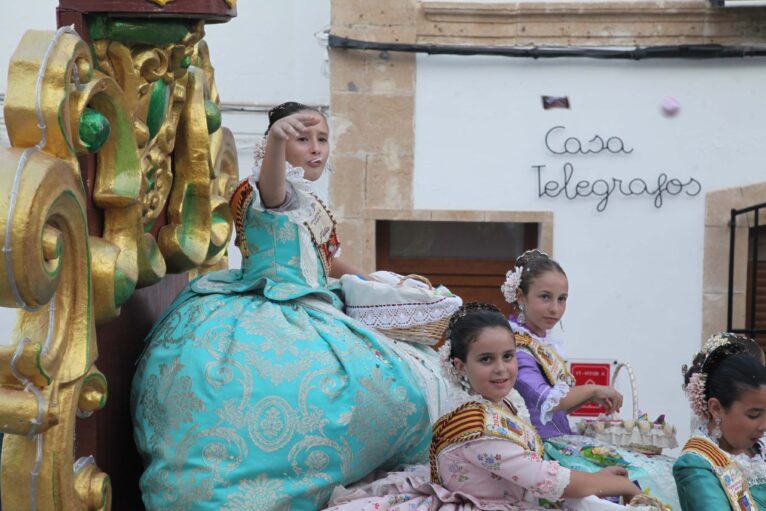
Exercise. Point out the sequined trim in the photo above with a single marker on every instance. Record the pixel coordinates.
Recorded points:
(474, 420)
(733, 481)
(321, 226)
(554, 367)
(239, 203)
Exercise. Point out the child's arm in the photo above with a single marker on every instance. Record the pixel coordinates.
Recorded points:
(543, 479)
(603, 395)
(271, 182)
(609, 482)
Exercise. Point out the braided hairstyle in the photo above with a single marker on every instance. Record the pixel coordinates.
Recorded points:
(467, 323)
(730, 369)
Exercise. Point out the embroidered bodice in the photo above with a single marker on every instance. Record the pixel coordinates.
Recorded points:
(286, 251)
(543, 380)
(739, 477)
(476, 419)
(488, 454)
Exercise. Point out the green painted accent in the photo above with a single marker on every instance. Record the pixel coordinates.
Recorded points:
(154, 32)
(213, 116)
(186, 62)
(107, 481)
(151, 179)
(123, 287)
(39, 364)
(158, 105)
(94, 129)
(126, 164)
(189, 218)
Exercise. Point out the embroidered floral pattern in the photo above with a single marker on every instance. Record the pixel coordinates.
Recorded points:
(489, 461)
(261, 493)
(266, 402)
(457, 472)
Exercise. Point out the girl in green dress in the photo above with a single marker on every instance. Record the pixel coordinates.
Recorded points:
(723, 465)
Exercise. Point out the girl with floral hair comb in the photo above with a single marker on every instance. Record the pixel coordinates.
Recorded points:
(538, 289)
(723, 465)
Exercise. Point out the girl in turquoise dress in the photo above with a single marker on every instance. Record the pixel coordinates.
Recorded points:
(255, 391)
(723, 465)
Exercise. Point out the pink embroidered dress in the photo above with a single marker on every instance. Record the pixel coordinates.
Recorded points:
(483, 457)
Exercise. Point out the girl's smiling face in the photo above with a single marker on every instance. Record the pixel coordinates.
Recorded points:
(310, 149)
(491, 366)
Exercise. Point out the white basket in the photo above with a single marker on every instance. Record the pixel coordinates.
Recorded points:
(636, 434)
(405, 307)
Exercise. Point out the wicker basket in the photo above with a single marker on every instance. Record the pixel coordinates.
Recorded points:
(636, 441)
(429, 333)
(426, 333)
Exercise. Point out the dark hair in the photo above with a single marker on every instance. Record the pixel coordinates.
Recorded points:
(752, 347)
(535, 264)
(731, 369)
(467, 323)
(288, 108)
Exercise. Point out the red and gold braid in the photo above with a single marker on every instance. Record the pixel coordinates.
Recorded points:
(240, 201)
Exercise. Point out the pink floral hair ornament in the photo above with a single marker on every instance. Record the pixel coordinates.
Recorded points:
(511, 284)
(695, 389)
(695, 392)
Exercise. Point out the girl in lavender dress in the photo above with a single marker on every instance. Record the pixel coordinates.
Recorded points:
(484, 455)
(539, 289)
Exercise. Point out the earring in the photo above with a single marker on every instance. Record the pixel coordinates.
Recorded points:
(465, 383)
(716, 433)
(521, 317)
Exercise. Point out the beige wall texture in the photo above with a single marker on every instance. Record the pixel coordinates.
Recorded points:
(373, 103)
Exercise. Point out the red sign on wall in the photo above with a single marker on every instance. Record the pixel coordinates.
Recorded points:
(590, 373)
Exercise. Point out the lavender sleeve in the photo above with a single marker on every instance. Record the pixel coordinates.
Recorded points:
(541, 397)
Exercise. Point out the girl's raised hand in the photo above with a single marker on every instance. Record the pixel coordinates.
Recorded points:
(292, 126)
(609, 398)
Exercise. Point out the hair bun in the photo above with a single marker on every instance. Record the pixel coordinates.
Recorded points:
(529, 256)
(285, 109)
(468, 308)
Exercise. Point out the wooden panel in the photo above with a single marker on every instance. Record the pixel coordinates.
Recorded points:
(471, 279)
(210, 10)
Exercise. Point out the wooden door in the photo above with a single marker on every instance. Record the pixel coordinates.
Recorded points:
(469, 258)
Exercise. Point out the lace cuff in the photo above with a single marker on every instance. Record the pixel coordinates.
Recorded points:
(552, 400)
(552, 487)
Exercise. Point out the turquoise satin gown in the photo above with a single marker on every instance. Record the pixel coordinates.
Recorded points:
(256, 393)
(700, 490)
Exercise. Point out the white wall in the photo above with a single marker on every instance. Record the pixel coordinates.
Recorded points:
(266, 55)
(635, 271)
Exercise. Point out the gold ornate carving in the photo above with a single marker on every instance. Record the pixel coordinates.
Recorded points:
(61, 104)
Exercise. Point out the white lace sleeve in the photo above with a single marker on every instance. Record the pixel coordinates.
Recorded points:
(521, 407)
(552, 400)
(290, 203)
